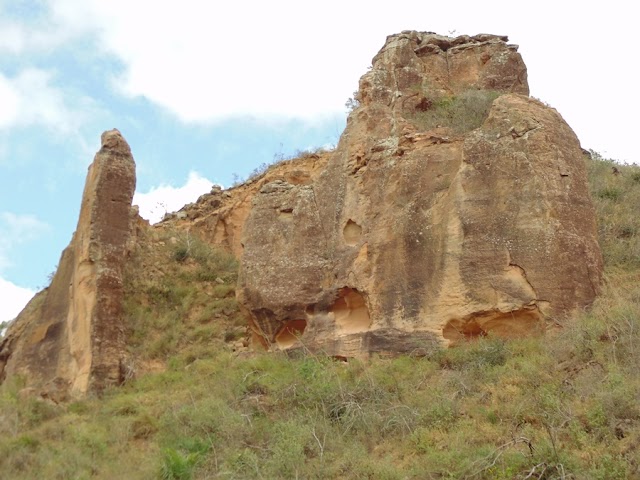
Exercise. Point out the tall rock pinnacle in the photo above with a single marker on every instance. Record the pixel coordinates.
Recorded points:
(69, 340)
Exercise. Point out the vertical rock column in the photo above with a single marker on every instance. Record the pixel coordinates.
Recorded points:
(70, 340)
(95, 318)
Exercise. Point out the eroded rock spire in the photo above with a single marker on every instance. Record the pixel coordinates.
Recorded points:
(70, 339)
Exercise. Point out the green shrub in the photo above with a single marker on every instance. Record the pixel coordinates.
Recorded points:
(177, 465)
(36, 411)
(181, 253)
(617, 200)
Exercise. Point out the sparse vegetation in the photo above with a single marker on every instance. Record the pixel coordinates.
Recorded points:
(278, 158)
(462, 112)
(566, 406)
(616, 192)
(181, 312)
(3, 326)
(352, 102)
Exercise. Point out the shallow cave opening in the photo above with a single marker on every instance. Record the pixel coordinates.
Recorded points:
(352, 233)
(289, 333)
(350, 311)
(458, 329)
(515, 324)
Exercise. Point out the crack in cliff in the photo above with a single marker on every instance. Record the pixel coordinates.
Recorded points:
(322, 226)
(396, 94)
(521, 132)
(446, 60)
(523, 273)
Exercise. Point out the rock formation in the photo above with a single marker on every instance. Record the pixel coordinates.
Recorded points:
(454, 206)
(219, 216)
(70, 339)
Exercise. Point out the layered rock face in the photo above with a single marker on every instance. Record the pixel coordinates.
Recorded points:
(454, 206)
(70, 338)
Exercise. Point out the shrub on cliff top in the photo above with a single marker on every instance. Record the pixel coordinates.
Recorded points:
(461, 113)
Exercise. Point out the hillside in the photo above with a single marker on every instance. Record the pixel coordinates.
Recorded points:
(450, 293)
(561, 406)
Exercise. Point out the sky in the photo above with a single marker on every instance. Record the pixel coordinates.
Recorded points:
(205, 92)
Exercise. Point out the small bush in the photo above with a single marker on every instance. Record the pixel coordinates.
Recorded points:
(441, 414)
(610, 193)
(481, 353)
(144, 426)
(352, 102)
(181, 253)
(36, 411)
(616, 194)
(176, 465)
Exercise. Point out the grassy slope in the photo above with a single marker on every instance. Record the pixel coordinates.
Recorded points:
(563, 406)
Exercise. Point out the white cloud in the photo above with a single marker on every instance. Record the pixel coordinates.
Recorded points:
(12, 299)
(18, 38)
(10, 101)
(16, 229)
(30, 98)
(22, 226)
(46, 28)
(206, 61)
(165, 198)
(209, 60)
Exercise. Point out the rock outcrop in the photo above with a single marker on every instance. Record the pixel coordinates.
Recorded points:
(219, 217)
(454, 206)
(70, 338)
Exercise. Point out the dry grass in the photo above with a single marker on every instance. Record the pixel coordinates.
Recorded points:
(617, 200)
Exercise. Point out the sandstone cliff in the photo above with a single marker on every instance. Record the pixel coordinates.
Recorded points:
(454, 206)
(69, 340)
